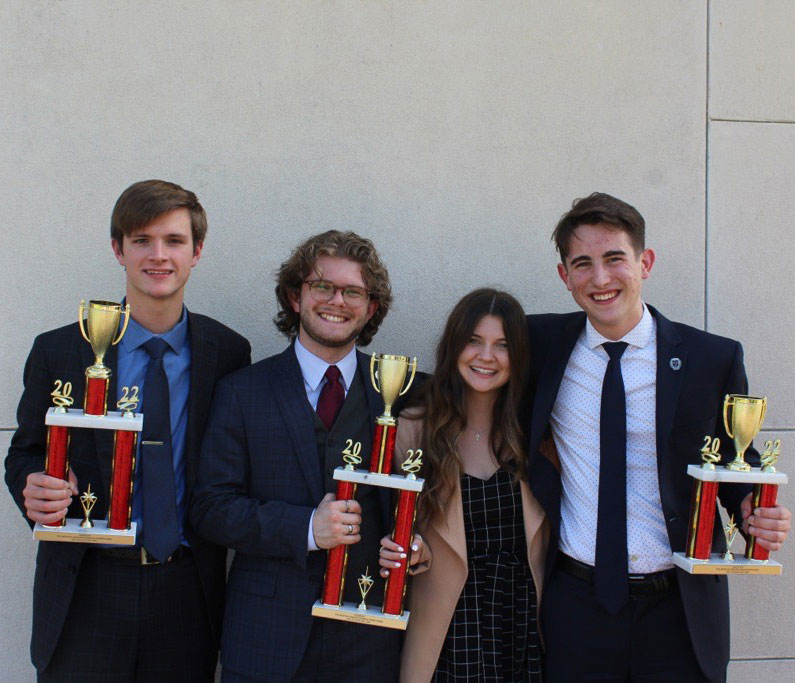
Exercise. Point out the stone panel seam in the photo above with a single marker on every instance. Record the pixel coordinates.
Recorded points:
(707, 122)
(763, 121)
(763, 659)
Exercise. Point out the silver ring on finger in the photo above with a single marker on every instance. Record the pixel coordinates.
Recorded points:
(347, 505)
(350, 529)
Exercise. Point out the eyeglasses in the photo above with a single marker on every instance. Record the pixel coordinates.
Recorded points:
(324, 291)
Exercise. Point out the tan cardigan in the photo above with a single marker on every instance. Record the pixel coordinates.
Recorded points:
(435, 592)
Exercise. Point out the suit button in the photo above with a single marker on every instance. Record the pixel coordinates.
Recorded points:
(72, 569)
(330, 471)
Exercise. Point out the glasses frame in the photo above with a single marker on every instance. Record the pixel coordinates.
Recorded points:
(338, 288)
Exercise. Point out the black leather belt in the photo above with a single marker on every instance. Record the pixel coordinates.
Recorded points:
(140, 556)
(639, 584)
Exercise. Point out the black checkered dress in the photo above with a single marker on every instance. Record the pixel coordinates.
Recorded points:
(493, 634)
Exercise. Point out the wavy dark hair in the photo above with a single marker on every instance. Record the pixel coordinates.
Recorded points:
(301, 263)
(442, 398)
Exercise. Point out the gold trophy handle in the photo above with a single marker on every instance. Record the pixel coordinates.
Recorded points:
(80, 310)
(413, 366)
(763, 413)
(126, 313)
(373, 360)
(726, 403)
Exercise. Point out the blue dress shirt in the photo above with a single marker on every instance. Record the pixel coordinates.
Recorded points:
(133, 361)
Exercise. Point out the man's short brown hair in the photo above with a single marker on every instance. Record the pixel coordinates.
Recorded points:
(301, 263)
(143, 202)
(600, 208)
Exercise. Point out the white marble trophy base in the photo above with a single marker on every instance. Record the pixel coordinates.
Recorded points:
(372, 616)
(74, 533)
(717, 565)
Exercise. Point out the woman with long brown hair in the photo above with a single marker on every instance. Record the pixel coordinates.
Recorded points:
(474, 612)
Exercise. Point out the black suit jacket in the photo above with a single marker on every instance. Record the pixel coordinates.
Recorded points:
(259, 480)
(690, 397)
(63, 354)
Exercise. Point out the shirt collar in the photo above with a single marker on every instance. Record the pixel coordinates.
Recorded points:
(314, 369)
(137, 334)
(639, 336)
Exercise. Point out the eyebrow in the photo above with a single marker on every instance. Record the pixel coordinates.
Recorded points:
(607, 254)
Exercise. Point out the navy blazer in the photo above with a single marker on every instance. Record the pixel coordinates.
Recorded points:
(259, 481)
(690, 397)
(63, 354)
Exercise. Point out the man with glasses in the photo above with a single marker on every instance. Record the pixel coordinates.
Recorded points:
(276, 433)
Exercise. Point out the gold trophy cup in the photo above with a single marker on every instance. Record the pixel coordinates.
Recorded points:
(743, 417)
(389, 378)
(102, 320)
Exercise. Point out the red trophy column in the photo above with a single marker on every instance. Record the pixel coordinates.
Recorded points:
(702, 519)
(121, 482)
(334, 580)
(395, 588)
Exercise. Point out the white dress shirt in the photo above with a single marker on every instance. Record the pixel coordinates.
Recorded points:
(313, 370)
(575, 422)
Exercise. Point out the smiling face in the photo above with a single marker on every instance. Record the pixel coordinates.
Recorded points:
(158, 259)
(605, 277)
(484, 363)
(329, 330)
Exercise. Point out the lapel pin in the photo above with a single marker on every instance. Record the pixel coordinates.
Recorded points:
(675, 363)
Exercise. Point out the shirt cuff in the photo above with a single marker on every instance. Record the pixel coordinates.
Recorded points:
(310, 537)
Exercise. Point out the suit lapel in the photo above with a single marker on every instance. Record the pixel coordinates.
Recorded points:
(671, 359)
(203, 369)
(297, 415)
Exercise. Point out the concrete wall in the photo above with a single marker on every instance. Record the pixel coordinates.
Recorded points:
(453, 133)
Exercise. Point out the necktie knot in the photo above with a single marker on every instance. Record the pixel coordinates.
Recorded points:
(615, 349)
(333, 374)
(156, 347)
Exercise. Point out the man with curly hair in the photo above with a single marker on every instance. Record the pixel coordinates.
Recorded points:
(276, 433)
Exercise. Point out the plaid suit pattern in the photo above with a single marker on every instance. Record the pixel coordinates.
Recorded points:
(258, 483)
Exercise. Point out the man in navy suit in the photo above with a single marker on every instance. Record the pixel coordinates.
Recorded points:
(627, 397)
(102, 614)
(276, 433)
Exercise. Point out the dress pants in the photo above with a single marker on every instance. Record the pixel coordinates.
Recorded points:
(647, 640)
(129, 622)
(341, 651)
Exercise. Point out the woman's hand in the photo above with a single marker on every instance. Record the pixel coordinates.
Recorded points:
(392, 556)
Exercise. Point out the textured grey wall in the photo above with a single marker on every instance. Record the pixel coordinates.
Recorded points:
(453, 133)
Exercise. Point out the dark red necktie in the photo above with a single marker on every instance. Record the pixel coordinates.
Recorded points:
(331, 397)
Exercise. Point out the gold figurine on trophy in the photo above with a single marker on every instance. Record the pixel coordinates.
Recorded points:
(729, 531)
(365, 582)
(87, 501)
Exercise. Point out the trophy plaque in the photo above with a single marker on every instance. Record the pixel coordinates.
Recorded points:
(103, 319)
(742, 417)
(390, 381)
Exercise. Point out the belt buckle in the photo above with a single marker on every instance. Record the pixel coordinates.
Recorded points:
(145, 559)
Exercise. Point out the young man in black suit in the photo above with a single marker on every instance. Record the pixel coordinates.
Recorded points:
(102, 613)
(627, 397)
(276, 433)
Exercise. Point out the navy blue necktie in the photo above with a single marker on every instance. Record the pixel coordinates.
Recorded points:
(160, 527)
(611, 581)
